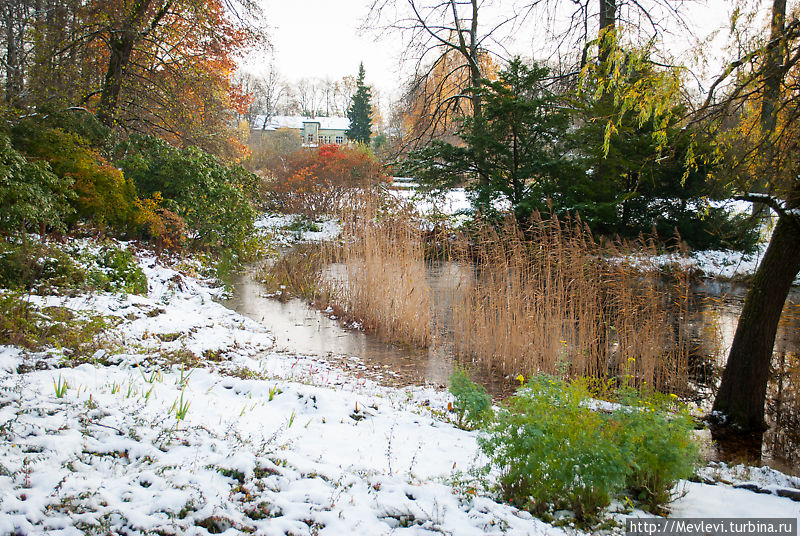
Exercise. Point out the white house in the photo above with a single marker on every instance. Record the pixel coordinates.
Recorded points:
(313, 131)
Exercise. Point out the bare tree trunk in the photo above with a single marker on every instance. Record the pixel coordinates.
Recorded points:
(15, 19)
(772, 84)
(608, 20)
(608, 14)
(121, 46)
(121, 49)
(743, 389)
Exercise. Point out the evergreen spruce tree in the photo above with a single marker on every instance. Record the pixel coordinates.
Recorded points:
(360, 111)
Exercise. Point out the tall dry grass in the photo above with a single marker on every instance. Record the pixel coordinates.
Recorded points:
(554, 300)
(378, 274)
(548, 299)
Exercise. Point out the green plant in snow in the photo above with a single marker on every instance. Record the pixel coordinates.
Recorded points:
(274, 391)
(658, 446)
(180, 407)
(154, 376)
(121, 271)
(184, 377)
(302, 225)
(473, 405)
(24, 324)
(60, 387)
(554, 452)
(49, 268)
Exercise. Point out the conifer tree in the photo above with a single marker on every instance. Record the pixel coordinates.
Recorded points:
(360, 111)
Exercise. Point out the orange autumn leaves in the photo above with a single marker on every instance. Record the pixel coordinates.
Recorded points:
(315, 180)
(178, 80)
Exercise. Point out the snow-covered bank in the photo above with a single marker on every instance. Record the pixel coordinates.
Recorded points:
(253, 441)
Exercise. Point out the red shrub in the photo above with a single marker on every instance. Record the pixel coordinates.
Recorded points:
(315, 180)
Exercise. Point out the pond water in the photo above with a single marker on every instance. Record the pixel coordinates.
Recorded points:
(301, 329)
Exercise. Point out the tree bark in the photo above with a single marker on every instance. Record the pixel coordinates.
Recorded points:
(743, 389)
(773, 68)
(15, 16)
(608, 14)
(608, 21)
(121, 45)
(121, 49)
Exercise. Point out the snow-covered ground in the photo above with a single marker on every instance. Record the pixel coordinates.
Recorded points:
(278, 227)
(252, 441)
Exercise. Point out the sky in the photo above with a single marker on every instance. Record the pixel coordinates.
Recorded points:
(321, 39)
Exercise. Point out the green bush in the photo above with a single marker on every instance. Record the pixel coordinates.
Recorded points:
(23, 324)
(658, 446)
(29, 265)
(32, 196)
(44, 267)
(473, 405)
(18, 324)
(554, 452)
(120, 272)
(102, 193)
(210, 196)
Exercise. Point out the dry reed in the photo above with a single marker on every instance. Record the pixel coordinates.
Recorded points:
(377, 270)
(554, 300)
(296, 272)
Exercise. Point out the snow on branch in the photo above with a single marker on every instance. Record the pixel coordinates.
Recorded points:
(778, 205)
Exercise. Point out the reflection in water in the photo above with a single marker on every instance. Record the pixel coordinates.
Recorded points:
(718, 307)
(301, 329)
(712, 320)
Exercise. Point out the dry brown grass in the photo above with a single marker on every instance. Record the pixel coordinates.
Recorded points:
(551, 301)
(378, 271)
(297, 272)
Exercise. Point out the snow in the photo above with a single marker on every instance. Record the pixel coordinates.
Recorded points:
(703, 500)
(271, 443)
(277, 227)
(453, 202)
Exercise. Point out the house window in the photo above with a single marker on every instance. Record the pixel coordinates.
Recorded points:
(339, 140)
(310, 138)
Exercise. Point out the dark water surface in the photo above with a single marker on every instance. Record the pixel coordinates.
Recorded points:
(711, 323)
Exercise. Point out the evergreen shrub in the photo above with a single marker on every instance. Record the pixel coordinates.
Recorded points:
(212, 198)
(102, 193)
(32, 196)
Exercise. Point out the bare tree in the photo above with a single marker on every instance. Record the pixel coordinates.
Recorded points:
(448, 49)
(310, 93)
(273, 90)
(343, 92)
(16, 19)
